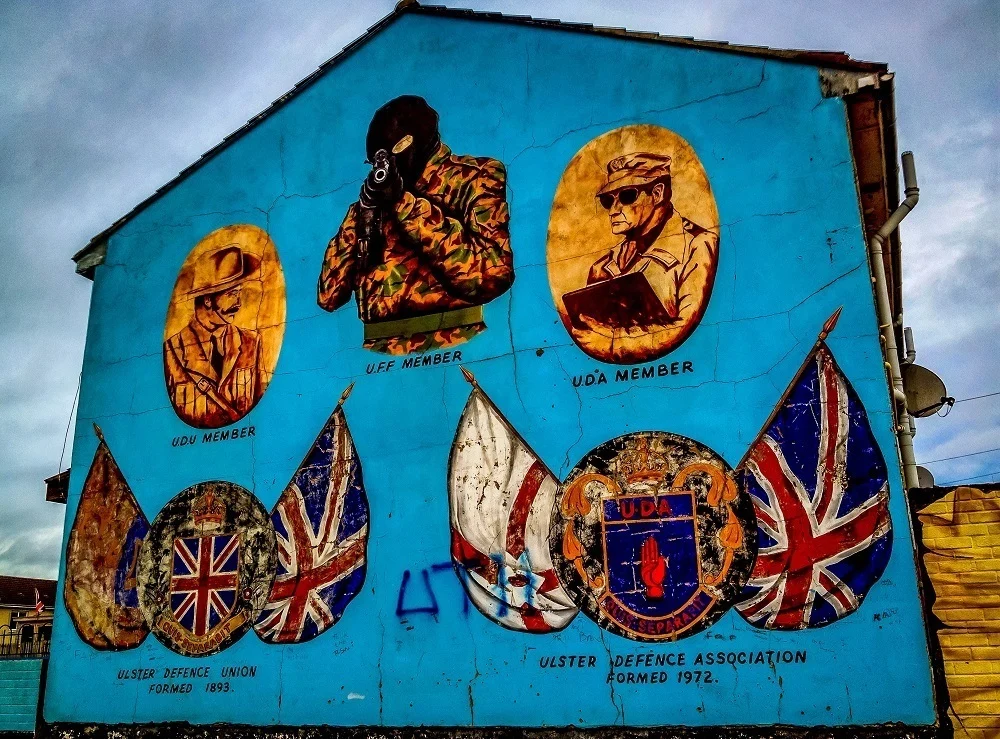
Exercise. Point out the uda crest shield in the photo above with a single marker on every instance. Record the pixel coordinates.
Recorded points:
(652, 536)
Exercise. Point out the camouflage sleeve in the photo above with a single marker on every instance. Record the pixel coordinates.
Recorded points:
(469, 247)
(338, 276)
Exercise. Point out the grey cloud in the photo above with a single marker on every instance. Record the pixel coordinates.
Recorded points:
(105, 101)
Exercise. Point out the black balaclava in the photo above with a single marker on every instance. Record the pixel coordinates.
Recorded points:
(406, 115)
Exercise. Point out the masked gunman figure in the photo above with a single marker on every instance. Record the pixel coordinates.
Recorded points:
(213, 366)
(659, 276)
(427, 243)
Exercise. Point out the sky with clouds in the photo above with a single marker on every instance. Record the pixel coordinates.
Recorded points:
(105, 100)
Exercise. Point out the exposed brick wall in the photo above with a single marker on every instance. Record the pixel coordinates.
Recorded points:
(19, 681)
(961, 535)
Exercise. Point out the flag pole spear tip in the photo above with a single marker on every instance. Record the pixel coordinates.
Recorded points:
(345, 395)
(99, 433)
(830, 324)
(470, 378)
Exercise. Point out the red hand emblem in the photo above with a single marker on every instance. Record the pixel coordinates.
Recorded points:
(653, 569)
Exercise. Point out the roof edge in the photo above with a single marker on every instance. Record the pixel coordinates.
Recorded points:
(93, 254)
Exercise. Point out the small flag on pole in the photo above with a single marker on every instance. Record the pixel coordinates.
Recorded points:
(39, 606)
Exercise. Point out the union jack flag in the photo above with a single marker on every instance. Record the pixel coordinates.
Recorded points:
(820, 489)
(204, 581)
(321, 522)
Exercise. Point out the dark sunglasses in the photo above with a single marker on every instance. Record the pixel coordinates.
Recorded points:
(626, 197)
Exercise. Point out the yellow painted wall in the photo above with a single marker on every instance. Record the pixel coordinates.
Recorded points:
(961, 532)
(5, 614)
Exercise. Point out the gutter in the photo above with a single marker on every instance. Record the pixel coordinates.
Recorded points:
(887, 326)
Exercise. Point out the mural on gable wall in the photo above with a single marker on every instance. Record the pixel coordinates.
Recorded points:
(633, 244)
(427, 243)
(625, 509)
(224, 326)
(100, 586)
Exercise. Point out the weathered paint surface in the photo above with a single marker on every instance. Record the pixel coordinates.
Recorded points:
(206, 568)
(100, 588)
(961, 534)
(224, 326)
(410, 649)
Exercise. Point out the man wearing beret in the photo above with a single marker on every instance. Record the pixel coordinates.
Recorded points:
(676, 257)
(426, 244)
(212, 366)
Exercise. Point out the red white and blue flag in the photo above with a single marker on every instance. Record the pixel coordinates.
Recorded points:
(321, 522)
(820, 490)
(204, 581)
(501, 498)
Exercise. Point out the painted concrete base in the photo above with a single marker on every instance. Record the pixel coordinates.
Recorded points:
(229, 731)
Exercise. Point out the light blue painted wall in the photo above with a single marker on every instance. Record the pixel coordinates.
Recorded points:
(792, 250)
(19, 683)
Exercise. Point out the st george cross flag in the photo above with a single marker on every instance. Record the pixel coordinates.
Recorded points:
(321, 522)
(501, 499)
(820, 490)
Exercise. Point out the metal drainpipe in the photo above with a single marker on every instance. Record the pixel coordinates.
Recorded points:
(884, 313)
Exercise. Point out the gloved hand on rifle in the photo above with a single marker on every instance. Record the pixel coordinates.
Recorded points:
(383, 186)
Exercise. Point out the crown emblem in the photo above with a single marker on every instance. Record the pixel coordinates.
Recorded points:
(641, 462)
(208, 510)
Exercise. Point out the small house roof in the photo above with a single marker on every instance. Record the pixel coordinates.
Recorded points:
(19, 592)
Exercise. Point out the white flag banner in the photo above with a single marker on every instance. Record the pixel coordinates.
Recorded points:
(501, 498)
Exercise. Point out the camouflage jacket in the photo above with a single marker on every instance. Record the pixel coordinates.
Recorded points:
(446, 248)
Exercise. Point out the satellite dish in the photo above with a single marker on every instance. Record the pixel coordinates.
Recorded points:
(924, 478)
(925, 392)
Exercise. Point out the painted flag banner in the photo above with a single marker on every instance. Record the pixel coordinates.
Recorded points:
(321, 522)
(501, 499)
(102, 557)
(820, 489)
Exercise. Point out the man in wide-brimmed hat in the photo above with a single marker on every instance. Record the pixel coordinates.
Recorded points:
(213, 366)
(676, 257)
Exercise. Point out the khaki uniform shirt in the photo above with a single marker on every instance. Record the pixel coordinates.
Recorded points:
(194, 385)
(679, 265)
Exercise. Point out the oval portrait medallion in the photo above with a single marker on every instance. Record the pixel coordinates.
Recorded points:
(224, 326)
(652, 537)
(633, 244)
(206, 568)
